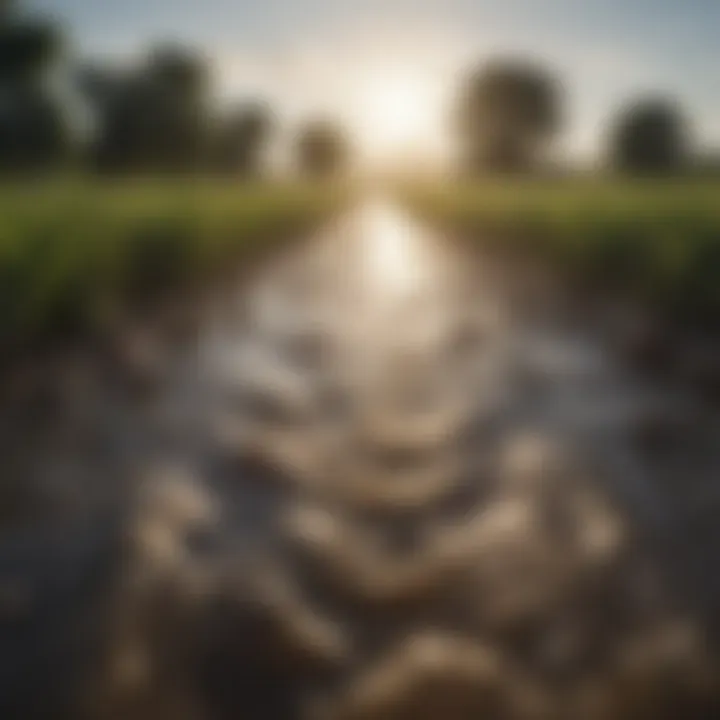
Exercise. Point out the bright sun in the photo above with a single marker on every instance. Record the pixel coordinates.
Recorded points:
(396, 115)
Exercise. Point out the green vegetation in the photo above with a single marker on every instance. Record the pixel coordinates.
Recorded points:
(73, 254)
(658, 241)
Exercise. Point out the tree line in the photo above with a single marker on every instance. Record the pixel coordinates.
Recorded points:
(154, 117)
(510, 111)
(158, 117)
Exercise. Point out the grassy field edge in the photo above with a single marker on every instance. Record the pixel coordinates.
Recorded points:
(657, 242)
(74, 256)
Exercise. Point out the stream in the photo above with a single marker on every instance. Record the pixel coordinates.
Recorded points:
(388, 477)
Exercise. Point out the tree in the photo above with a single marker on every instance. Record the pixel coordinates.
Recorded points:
(241, 140)
(27, 49)
(178, 116)
(153, 118)
(33, 130)
(651, 136)
(322, 148)
(508, 111)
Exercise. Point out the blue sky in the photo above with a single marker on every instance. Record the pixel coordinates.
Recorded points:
(329, 56)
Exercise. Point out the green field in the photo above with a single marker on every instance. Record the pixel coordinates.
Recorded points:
(657, 241)
(73, 254)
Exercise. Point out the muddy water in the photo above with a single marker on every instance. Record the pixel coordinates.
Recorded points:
(389, 479)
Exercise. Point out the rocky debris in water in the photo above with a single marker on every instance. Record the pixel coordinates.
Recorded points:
(432, 675)
(384, 499)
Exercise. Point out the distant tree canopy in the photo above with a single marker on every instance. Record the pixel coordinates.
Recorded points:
(322, 149)
(240, 140)
(33, 130)
(508, 111)
(651, 136)
(155, 118)
(27, 48)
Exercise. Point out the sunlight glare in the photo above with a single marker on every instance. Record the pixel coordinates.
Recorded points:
(394, 256)
(396, 115)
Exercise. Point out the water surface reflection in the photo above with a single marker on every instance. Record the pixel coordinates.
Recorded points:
(375, 487)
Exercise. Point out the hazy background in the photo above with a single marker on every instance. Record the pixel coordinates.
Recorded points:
(349, 59)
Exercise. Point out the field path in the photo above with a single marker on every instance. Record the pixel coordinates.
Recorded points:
(391, 478)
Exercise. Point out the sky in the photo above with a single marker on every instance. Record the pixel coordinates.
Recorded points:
(389, 69)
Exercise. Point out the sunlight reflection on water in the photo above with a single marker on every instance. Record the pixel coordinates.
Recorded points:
(396, 256)
(371, 422)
